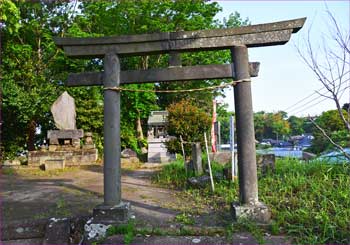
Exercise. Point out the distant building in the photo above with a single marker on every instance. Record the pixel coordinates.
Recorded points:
(276, 143)
(299, 141)
(157, 136)
(302, 141)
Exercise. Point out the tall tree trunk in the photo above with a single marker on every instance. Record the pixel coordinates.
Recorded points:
(140, 136)
(31, 135)
(139, 128)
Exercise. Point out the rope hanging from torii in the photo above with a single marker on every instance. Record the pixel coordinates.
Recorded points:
(233, 83)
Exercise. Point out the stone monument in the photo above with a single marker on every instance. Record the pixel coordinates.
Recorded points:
(63, 111)
(65, 144)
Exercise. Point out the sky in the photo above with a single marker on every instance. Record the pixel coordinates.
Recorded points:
(284, 79)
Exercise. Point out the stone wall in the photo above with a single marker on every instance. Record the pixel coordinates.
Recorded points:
(70, 157)
(221, 157)
(225, 157)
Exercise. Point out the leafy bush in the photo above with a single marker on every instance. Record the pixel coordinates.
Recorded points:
(189, 121)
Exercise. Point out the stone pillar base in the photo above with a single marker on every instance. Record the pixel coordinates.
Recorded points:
(112, 214)
(104, 217)
(258, 212)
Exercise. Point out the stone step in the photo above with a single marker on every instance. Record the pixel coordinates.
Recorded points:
(29, 241)
(159, 154)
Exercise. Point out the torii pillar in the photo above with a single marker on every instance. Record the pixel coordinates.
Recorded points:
(249, 205)
(113, 210)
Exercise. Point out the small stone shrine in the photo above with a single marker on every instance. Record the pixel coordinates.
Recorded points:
(156, 138)
(65, 144)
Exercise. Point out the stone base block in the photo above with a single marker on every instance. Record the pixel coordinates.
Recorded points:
(259, 212)
(103, 217)
(57, 231)
(71, 156)
(54, 164)
(53, 147)
(112, 214)
(65, 134)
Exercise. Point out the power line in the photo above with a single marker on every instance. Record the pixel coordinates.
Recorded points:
(319, 90)
(318, 102)
(310, 101)
(305, 104)
(310, 95)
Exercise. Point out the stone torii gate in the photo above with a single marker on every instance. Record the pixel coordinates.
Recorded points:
(238, 40)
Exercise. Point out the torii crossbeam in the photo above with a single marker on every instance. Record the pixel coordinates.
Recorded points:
(235, 39)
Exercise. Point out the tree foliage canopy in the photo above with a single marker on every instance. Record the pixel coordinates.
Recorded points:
(333, 125)
(188, 121)
(34, 69)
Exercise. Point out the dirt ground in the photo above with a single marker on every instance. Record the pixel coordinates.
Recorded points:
(34, 195)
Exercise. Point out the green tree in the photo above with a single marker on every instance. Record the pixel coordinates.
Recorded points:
(333, 125)
(206, 21)
(271, 125)
(280, 126)
(34, 69)
(33, 74)
(9, 24)
(259, 125)
(188, 121)
(28, 78)
(101, 18)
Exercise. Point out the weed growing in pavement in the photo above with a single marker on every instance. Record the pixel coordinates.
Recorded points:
(62, 209)
(185, 218)
(128, 230)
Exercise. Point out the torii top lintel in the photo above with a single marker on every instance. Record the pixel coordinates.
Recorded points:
(267, 34)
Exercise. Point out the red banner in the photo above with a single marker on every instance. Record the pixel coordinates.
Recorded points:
(212, 132)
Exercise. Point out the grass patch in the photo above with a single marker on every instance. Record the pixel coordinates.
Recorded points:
(172, 175)
(8, 171)
(244, 225)
(309, 201)
(185, 219)
(128, 230)
(61, 209)
(36, 172)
